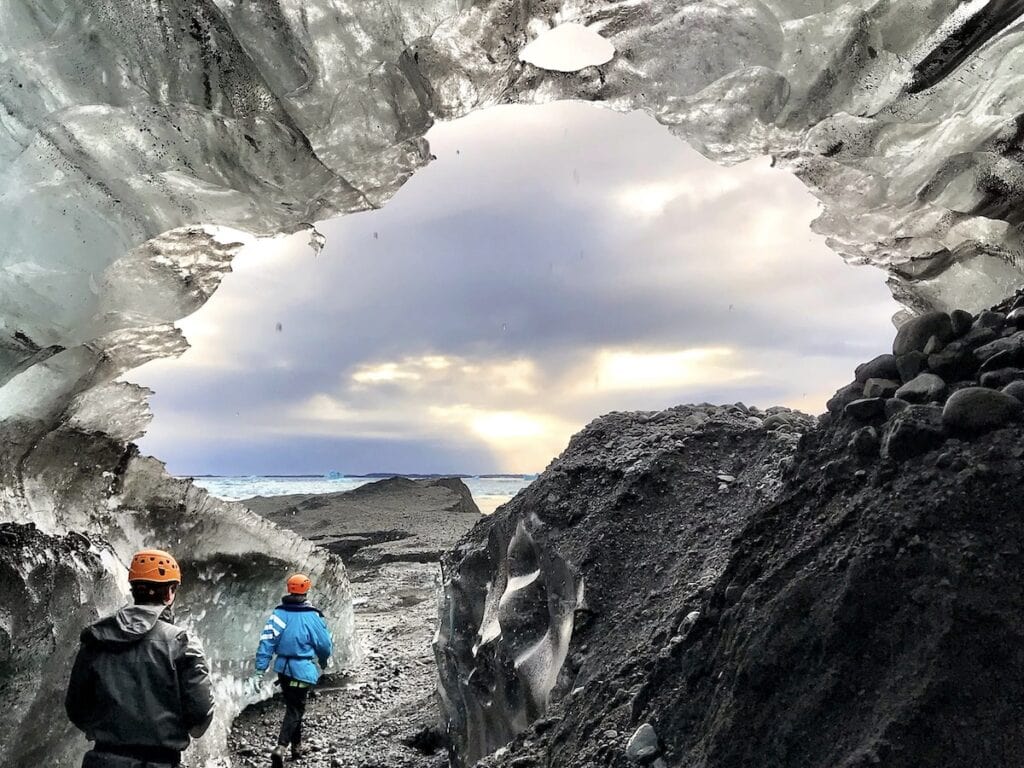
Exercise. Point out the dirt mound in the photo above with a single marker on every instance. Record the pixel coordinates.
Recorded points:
(393, 520)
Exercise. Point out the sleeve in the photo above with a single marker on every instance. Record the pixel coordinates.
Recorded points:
(195, 689)
(322, 640)
(268, 642)
(79, 703)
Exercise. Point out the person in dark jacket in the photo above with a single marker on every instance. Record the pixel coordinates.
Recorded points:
(296, 634)
(140, 687)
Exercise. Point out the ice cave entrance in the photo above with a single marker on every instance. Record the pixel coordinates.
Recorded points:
(554, 263)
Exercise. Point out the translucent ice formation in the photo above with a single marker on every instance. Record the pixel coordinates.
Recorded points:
(505, 623)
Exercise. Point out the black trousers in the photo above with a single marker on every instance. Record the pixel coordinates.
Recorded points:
(294, 709)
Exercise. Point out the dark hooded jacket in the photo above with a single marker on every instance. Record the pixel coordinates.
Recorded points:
(139, 681)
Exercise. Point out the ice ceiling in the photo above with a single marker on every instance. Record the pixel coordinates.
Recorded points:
(121, 122)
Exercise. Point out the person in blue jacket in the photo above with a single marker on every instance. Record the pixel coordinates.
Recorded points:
(297, 635)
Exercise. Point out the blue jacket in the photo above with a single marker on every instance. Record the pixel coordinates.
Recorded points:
(297, 634)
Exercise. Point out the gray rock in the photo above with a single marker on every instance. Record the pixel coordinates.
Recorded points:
(894, 406)
(1016, 317)
(642, 746)
(1000, 378)
(934, 345)
(1015, 389)
(923, 388)
(880, 387)
(882, 367)
(978, 336)
(866, 409)
(1004, 359)
(1013, 344)
(961, 321)
(864, 442)
(910, 364)
(955, 361)
(913, 431)
(915, 333)
(844, 396)
(976, 409)
(989, 319)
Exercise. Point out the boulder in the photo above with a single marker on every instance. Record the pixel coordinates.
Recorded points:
(955, 361)
(976, 409)
(894, 406)
(1016, 317)
(844, 396)
(923, 388)
(1012, 344)
(1000, 378)
(978, 336)
(913, 431)
(961, 320)
(914, 334)
(643, 745)
(880, 387)
(989, 319)
(866, 409)
(864, 442)
(911, 364)
(1015, 389)
(882, 367)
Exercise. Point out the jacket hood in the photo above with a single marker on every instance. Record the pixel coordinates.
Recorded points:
(128, 625)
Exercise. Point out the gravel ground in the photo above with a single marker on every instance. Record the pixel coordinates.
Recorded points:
(359, 718)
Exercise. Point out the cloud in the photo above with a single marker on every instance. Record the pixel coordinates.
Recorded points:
(554, 263)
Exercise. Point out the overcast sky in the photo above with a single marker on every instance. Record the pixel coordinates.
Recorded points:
(554, 263)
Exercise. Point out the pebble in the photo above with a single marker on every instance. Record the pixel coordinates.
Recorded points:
(976, 409)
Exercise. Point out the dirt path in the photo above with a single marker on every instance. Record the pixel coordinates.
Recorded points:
(359, 718)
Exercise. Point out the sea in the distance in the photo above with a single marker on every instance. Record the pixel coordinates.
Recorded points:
(489, 492)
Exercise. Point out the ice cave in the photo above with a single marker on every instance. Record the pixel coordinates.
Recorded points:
(128, 129)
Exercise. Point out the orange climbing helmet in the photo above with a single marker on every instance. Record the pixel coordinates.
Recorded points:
(154, 565)
(299, 584)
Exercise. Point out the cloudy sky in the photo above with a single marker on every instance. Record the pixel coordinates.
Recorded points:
(555, 263)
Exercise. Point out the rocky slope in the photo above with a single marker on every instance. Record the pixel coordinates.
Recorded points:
(861, 608)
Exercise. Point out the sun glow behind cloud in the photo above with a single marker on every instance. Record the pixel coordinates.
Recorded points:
(629, 370)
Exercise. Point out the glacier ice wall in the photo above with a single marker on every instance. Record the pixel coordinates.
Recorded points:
(72, 483)
(50, 586)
